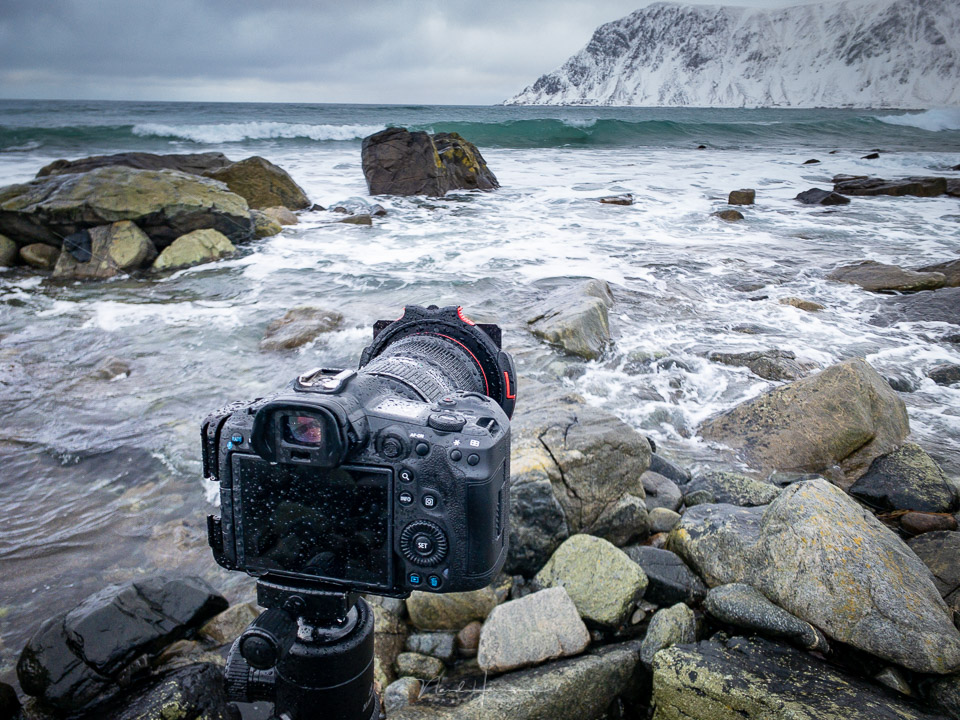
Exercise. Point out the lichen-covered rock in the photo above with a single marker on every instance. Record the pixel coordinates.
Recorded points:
(542, 626)
(670, 581)
(163, 203)
(877, 277)
(40, 256)
(264, 225)
(450, 611)
(757, 679)
(801, 304)
(9, 252)
(744, 606)
(906, 479)
(389, 635)
(399, 162)
(731, 488)
(194, 692)
(575, 319)
(299, 326)
(104, 252)
(846, 415)
(195, 248)
(261, 183)
(818, 554)
(603, 582)
(670, 626)
(422, 667)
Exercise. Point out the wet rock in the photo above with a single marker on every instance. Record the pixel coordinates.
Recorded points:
(399, 162)
(76, 659)
(816, 196)
(572, 689)
(742, 197)
(108, 251)
(625, 199)
(400, 693)
(894, 679)
(570, 462)
(906, 479)
(264, 225)
(756, 679)
(940, 551)
(282, 215)
(663, 520)
(39, 255)
(768, 364)
(262, 184)
(729, 215)
(358, 206)
(435, 644)
(194, 691)
(9, 703)
(669, 470)
(661, 491)
(357, 220)
(422, 667)
(938, 306)
(670, 626)
(944, 693)
(299, 326)
(950, 270)
(450, 611)
(871, 156)
(183, 653)
(110, 369)
(163, 203)
(822, 557)
(389, 636)
(195, 248)
(919, 186)
(901, 383)
(575, 319)
(745, 607)
(584, 563)
(877, 277)
(623, 522)
(227, 626)
(811, 161)
(918, 523)
(846, 415)
(542, 626)
(947, 374)
(801, 304)
(729, 487)
(193, 163)
(752, 329)
(9, 252)
(670, 581)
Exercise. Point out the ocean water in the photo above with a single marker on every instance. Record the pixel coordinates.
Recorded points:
(100, 481)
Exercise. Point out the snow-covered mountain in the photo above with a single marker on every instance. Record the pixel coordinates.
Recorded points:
(853, 53)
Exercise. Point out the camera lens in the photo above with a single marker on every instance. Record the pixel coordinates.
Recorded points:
(305, 429)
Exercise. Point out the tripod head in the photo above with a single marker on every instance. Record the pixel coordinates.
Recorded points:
(310, 633)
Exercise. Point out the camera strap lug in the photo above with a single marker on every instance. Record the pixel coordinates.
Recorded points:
(325, 380)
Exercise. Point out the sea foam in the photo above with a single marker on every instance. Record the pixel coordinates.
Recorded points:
(933, 120)
(238, 132)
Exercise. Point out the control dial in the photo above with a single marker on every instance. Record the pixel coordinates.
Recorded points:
(423, 543)
(446, 421)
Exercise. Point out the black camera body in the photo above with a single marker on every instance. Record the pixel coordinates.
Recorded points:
(386, 479)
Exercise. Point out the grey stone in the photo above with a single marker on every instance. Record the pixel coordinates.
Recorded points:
(661, 492)
(584, 563)
(895, 679)
(435, 644)
(940, 551)
(670, 581)
(299, 326)
(282, 215)
(389, 635)
(731, 488)
(542, 626)
(357, 220)
(816, 196)
(400, 693)
(877, 277)
(575, 319)
(729, 215)
(624, 199)
(906, 479)
(193, 163)
(945, 374)
(822, 557)
(537, 522)
(742, 197)
(768, 364)
(757, 679)
(861, 185)
(950, 270)
(939, 306)
(846, 415)
(449, 611)
(623, 522)
(663, 520)
(670, 626)
(422, 667)
(801, 304)
(744, 606)
(944, 693)
(669, 470)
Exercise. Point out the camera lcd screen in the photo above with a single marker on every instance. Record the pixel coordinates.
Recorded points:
(327, 523)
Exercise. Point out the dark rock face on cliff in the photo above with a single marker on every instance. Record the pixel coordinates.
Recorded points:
(399, 162)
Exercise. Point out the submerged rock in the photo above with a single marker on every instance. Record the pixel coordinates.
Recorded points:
(575, 319)
(877, 277)
(816, 196)
(950, 271)
(937, 306)
(729, 215)
(946, 374)
(906, 479)
(801, 304)
(625, 199)
(745, 607)
(823, 558)
(262, 184)
(399, 162)
(194, 248)
(542, 626)
(756, 679)
(768, 364)
(919, 186)
(106, 251)
(299, 326)
(846, 415)
(742, 197)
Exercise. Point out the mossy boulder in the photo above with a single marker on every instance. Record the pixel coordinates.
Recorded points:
(397, 161)
(729, 487)
(262, 184)
(199, 246)
(9, 252)
(264, 225)
(283, 215)
(670, 626)
(104, 252)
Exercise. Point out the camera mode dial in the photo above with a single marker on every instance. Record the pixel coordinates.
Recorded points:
(423, 543)
(446, 421)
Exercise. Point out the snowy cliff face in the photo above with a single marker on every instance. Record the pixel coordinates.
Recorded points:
(854, 53)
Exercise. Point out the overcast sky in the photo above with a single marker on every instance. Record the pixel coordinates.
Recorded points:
(366, 51)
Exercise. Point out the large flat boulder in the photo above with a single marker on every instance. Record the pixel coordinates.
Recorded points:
(846, 415)
(397, 161)
(165, 204)
(756, 679)
(819, 555)
(575, 319)
(193, 163)
(862, 185)
(878, 277)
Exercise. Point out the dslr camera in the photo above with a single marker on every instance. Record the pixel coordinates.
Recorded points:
(386, 479)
